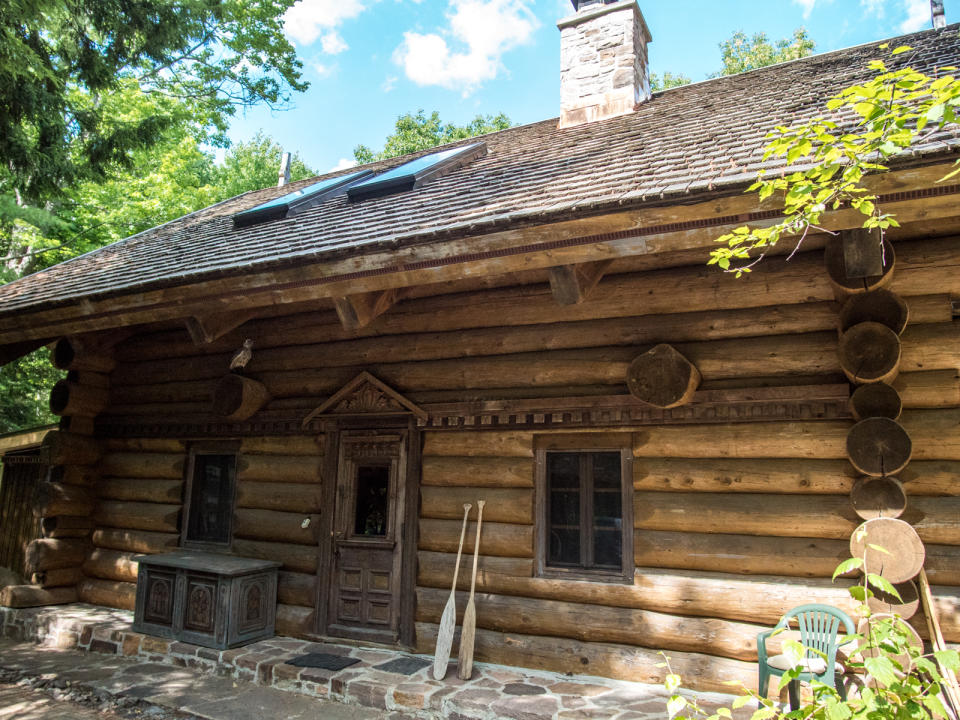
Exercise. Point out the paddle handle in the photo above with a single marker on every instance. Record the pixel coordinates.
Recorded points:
(476, 548)
(463, 532)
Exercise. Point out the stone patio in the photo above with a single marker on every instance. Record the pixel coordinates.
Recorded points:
(493, 693)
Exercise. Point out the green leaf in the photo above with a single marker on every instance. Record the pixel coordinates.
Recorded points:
(740, 700)
(901, 49)
(950, 659)
(878, 548)
(672, 682)
(881, 668)
(884, 585)
(675, 705)
(846, 566)
(763, 713)
(724, 712)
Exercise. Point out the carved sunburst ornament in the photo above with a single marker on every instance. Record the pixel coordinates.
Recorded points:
(367, 398)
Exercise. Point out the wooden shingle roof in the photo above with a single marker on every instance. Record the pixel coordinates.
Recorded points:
(701, 138)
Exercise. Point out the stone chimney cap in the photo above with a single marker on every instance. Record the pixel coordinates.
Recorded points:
(598, 8)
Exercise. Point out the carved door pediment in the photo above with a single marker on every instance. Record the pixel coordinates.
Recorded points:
(365, 395)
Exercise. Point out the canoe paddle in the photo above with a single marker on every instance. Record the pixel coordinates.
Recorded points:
(469, 628)
(448, 621)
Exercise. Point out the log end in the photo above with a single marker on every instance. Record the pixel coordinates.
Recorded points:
(879, 446)
(881, 306)
(662, 377)
(846, 285)
(875, 400)
(237, 397)
(869, 353)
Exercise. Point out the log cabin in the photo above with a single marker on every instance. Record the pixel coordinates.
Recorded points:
(670, 456)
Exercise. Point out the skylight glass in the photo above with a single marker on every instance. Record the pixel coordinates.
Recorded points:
(298, 200)
(413, 174)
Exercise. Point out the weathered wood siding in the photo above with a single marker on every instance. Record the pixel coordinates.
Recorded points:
(734, 523)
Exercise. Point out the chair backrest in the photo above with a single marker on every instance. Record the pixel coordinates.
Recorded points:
(819, 627)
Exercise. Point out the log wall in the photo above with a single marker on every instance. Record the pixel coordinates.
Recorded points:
(733, 523)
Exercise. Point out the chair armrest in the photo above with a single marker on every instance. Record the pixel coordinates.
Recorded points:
(762, 644)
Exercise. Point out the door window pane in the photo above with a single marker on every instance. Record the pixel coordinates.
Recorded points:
(211, 499)
(373, 489)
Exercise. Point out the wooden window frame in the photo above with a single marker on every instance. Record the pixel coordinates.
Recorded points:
(584, 443)
(231, 447)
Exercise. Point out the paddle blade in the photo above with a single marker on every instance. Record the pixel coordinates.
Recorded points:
(448, 624)
(467, 632)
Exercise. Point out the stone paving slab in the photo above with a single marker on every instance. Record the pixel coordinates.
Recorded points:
(494, 693)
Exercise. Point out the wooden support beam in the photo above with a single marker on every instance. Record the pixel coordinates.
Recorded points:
(571, 284)
(358, 311)
(862, 253)
(204, 329)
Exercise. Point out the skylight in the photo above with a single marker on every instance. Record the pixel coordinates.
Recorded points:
(413, 174)
(299, 200)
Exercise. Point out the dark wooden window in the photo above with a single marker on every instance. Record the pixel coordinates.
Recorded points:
(208, 514)
(584, 498)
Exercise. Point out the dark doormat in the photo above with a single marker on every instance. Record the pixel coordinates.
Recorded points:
(324, 661)
(404, 665)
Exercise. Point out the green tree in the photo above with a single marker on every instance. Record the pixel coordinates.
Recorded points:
(741, 53)
(667, 80)
(413, 132)
(893, 110)
(25, 388)
(254, 165)
(61, 60)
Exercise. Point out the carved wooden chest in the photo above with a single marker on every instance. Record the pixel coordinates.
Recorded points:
(218, 601)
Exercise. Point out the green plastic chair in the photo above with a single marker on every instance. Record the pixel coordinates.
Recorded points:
(819, 627)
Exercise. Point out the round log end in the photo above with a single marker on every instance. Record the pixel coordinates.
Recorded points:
(869, 353)
(836, 269)
(63, 354)
(878, 497)
(890, 547)
(879, 446)
(906, 606)
(60, 397)
(875, 400)
(880, 306)
(238, 398)
(662, 377)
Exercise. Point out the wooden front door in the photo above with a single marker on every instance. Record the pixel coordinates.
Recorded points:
(367, 536)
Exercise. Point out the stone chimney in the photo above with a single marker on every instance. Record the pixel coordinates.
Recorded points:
(603, 61)
(936, 10)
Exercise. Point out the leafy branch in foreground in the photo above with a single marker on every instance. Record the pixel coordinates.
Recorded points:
(896, 679)
(873, 122)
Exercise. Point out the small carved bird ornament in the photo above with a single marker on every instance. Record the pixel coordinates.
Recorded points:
(241, 357)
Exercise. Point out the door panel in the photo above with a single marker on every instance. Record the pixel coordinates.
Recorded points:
(367, 549)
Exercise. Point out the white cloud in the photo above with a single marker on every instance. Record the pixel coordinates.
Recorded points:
(918, 15)
(308, 19)
(874, 8)
(323, 70)
(344, 164)
(807, 6)
(389, 83)
(484, 29)
(332, 43)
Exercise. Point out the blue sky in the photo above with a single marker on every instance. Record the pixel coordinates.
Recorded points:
(369, 61)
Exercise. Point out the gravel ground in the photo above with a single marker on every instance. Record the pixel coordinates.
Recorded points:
(45, 697)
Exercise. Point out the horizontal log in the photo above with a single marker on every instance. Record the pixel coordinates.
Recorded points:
(934, 433)
(740, 554)
(71, 398)
(145, 445)
(500, 539)
(62, 577)
(60, 499)
(298, 558)
(485, 472)
(79, 353)
(136, 541)
(283, 445)
(66, 526)
(111, 565)
(294, 588)
(300, 528)
(622, 662)
(295, 621)
(78, 424)
(812, 477)
(280, 468)
(80, 475)
(815, 440)
(21, 596)
(141, 489)
(597, 623)
(65, 448)
(478, 443)
(506, 505)
(50, 554)
(760, 599)
(943, 564)
(936, 519)
(797, 516)
(293, 497)
(929, 347)
(143, 465)
(109, 593)
(932, 389)
(159, 517)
